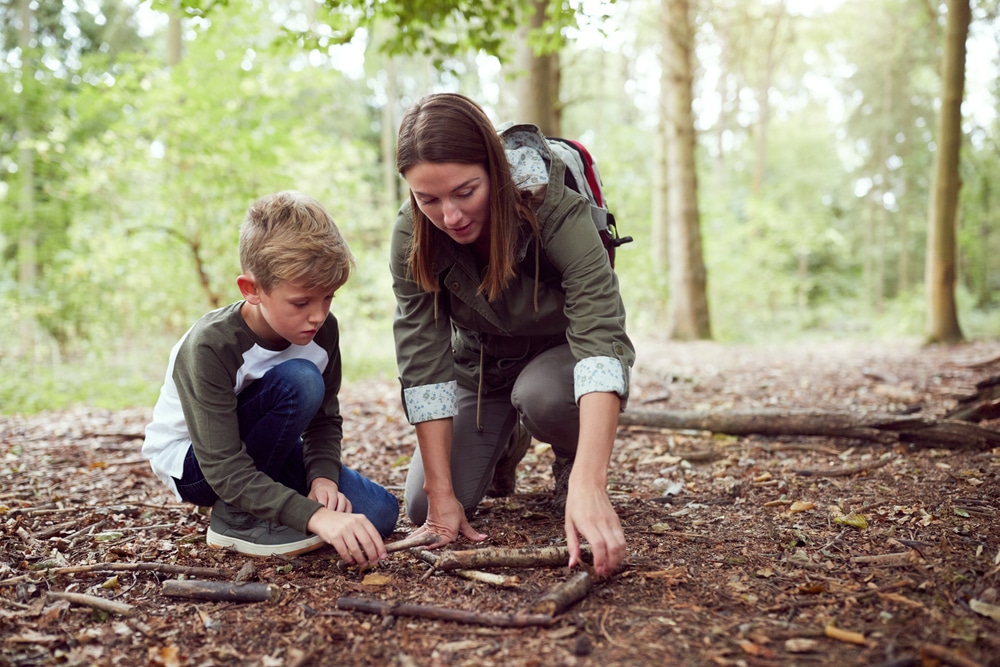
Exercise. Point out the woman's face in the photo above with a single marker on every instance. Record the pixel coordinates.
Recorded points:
(455, 197)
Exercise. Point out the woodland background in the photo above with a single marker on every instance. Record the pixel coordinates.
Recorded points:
(785, 166)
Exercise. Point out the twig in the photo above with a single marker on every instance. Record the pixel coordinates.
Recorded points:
(845, 635)
(564, 595)
(410, 542)
(946, 656)
(223, 591)
(444, 613)
(897, 559)
(166, 568)
(109, 606)
(844, 472)
(491, 578)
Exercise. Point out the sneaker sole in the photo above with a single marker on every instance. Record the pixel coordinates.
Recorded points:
(216, 541)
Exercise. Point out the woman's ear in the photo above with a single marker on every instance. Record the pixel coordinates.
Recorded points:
(249, 289)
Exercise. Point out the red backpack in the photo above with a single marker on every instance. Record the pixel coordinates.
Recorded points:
(583, 177)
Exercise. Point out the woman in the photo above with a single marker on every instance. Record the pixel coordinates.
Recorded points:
(508, 313)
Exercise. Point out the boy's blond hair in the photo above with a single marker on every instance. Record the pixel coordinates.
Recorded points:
(289, 237)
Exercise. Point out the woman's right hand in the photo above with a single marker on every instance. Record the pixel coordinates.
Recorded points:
(446, 519)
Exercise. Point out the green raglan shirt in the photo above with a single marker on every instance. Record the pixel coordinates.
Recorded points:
(215, 360)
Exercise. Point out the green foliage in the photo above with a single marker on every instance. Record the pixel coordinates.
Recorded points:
(143, 174)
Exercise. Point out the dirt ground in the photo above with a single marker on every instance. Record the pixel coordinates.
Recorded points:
(741, 550)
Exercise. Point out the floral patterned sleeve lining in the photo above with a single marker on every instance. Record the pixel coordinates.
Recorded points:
(599, 374)
(431, 401)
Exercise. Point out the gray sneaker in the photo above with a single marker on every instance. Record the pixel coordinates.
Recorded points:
(504, 477)
(232, 527)
(561, 468)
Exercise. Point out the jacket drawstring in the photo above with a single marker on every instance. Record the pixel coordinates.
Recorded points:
(479, 390)
(538, 252)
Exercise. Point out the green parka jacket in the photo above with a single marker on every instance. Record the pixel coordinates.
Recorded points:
(465, 339)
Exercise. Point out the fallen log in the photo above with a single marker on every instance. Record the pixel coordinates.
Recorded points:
(221, 591)
(873, 427)
(444, 613)
(982, 405)
(472, 559)
(564, 595)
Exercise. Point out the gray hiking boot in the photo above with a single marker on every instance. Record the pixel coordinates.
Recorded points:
(233, 528)
(561, 469)
(504, 478)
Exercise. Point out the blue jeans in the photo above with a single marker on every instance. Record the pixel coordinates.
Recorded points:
(273, 412)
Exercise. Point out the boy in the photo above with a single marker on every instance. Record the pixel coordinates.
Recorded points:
(248, 419)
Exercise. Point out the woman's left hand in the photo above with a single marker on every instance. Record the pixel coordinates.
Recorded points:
(326, 492)
(589, 513)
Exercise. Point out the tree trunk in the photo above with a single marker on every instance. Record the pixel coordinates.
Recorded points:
(942, 315)
(688, 317)
(174, 38)
(27, 260)
(390, 179)
(539, 84)
(763, 101)
(661, 179)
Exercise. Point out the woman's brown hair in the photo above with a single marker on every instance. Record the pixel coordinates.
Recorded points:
(446, 127)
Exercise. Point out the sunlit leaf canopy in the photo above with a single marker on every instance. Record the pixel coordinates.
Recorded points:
(815, 142)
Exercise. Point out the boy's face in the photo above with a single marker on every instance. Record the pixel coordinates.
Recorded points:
(286, 313)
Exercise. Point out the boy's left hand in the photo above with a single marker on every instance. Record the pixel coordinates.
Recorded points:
(327, 492)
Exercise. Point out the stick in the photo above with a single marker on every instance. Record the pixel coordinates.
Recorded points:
(410, 542)
(444, 613)
(221, 590)
(946, 656)
(564, 595)
(471, 559)
(844, 635)
(109, 606)
(492, 578)
(844, 472)
(889, 560)
(166, 568)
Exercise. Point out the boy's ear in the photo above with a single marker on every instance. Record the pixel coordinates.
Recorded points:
(248, 288)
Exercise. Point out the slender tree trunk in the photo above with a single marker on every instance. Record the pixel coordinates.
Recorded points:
(539, 86)
(763, 101)
(942, 315)
(174, 39)
(688, 315)
(390, 179)
(661, 216)
(27, 260)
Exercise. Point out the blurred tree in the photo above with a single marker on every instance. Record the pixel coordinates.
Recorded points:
(942, 314)
(49, 52)
(688, 315)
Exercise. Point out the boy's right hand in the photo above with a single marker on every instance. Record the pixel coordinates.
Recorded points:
(353, 536)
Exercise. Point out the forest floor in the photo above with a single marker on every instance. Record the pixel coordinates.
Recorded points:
(741, 550)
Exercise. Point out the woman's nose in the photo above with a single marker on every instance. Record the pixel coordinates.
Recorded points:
(451, 212)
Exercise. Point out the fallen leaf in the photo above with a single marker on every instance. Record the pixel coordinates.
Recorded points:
(985, 609)
(854, 520)
(376, 579)
(801, 645)
(801, 506)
